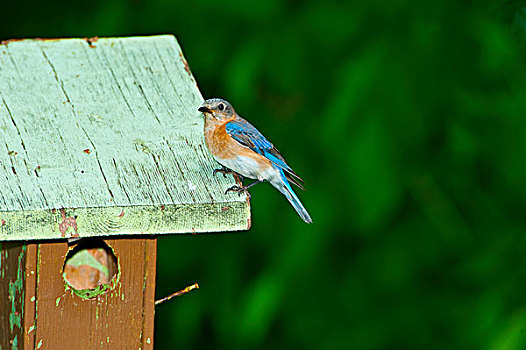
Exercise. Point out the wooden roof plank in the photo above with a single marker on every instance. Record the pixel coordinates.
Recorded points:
(108, 137)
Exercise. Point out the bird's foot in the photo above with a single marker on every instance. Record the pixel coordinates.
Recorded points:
(223, 170)
(239, 190)
(226, 171)
(242, 188)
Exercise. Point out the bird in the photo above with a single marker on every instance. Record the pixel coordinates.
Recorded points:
(242, 150)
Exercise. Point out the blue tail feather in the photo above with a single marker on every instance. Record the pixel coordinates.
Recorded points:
(292, 198)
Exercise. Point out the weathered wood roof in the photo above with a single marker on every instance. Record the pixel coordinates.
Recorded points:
(103, 137)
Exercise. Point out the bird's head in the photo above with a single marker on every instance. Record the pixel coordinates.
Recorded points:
(218, 109)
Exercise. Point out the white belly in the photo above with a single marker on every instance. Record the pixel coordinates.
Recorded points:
(249, 167)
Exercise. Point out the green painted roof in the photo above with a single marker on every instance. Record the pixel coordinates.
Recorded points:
(103, 137)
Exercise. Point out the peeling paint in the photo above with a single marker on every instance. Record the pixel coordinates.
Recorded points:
(186, 66)
(91, 293)
(148, 219)
(39, 344)
(6, 42)
(191, 186)
(31, 328)
(66, 223)
(143, 145)
(14, 343)
(16, 294)
(91, 41)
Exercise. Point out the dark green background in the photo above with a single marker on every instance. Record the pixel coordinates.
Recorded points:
(406, 119)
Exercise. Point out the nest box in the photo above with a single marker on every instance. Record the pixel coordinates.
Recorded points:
(100, 140)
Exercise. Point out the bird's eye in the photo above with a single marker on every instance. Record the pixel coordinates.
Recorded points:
(221, 107)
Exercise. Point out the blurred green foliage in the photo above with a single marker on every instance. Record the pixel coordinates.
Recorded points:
(406, 119)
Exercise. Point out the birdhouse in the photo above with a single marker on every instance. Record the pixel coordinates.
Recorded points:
(101, 150)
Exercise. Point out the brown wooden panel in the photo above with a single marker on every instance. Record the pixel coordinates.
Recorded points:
(39, 311)
(150, 260)
(119, 319)
(31, 271)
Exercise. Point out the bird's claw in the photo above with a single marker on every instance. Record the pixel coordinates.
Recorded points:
(226, 171)
(238, 189)
(223, 170)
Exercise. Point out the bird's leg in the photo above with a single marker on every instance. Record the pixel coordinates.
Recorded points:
(252, 184)
(238, 177)
(240, 189)
(225, 171)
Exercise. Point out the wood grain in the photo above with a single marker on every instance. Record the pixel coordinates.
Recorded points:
(103, 138)
(53, 317)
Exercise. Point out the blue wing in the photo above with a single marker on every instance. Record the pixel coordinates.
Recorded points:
(247, 135)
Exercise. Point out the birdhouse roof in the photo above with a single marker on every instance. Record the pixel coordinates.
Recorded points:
(102, 137)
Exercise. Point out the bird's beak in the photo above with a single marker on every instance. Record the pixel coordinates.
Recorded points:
(204, 109)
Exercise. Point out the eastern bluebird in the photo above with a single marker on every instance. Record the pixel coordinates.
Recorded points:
(240, 148)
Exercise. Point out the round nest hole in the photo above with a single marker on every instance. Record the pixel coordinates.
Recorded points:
(91, 268)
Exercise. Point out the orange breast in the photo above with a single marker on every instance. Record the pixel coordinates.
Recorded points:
(223, 146)
(218, 141)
